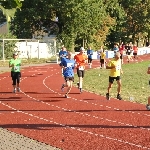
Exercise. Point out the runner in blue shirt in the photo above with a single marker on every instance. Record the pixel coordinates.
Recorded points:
(90, 53)
(115, 49)
(63, 54)
(68, 65)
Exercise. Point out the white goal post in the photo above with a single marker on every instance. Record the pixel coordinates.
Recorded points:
(32, 48)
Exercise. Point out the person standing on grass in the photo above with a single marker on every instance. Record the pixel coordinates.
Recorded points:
(135, 51)
(99, 53)
(102, 60)
(68, 65)
(62, 54)
(89, 54)
(15, 64)
(115, 70)
(80, 60)
(121, 49)
(128, 49)
(148, 105)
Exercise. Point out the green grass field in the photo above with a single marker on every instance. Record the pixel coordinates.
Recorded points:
(135, 85)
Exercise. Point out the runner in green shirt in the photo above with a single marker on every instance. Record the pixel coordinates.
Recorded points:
(15, 64)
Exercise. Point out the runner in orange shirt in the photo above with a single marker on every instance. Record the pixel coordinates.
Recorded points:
(135, 51)
(81, 60)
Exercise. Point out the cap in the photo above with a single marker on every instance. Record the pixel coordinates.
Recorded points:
(15, 53)
(82, 49)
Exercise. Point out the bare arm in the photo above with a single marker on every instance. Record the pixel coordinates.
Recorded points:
(11, 65)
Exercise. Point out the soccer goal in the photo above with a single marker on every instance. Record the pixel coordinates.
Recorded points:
(28, 48)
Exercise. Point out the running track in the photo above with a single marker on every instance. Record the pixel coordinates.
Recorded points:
(83, 122)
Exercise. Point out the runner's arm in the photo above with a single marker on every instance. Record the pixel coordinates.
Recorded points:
(11, 65)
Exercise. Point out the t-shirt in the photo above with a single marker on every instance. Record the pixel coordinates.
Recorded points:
(121, 49)
(69, 64)
(90, 53)
(135, 49)
(115, 49)
(62, 54)
(103, 55)
(128, 49)
(80, 60)
(115, 71)
(17, 64)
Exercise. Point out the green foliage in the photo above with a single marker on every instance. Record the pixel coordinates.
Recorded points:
(30, 19)
(82, 20)
(9, 8)
(9, 4)
(2, 17)
(97, 22)
(8, 45)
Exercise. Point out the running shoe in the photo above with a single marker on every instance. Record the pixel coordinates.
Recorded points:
(107, 96)
(62, 87)
(14, 91)
(80, 90)
(119, 97)
(148, 107)
(78, 84)
(18, 89)
(66, 96)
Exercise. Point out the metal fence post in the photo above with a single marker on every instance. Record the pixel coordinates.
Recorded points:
(3, 51)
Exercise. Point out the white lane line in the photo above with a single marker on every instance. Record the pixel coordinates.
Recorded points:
(77, 129)
(85, 130)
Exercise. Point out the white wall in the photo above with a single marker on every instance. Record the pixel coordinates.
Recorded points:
(36, 49)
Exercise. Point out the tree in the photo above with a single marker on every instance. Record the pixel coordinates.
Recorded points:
(9, 8)
(35, 17)
(2, 17)
(76, 19)
(136, 20)
(81, 19)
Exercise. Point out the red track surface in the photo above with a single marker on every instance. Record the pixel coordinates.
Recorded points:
(83, 122)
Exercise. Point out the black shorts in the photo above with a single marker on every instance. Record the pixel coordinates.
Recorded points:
(121, 56)
(80, 73)
(134, 54)
(89, 60)
(128, 53)
(69, 79)
(111, 79)
(15, 75)
(102, 61)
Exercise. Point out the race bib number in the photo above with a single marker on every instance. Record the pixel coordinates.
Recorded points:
(118, 67)
(81, 68)
(16, 68)
(69, 64)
